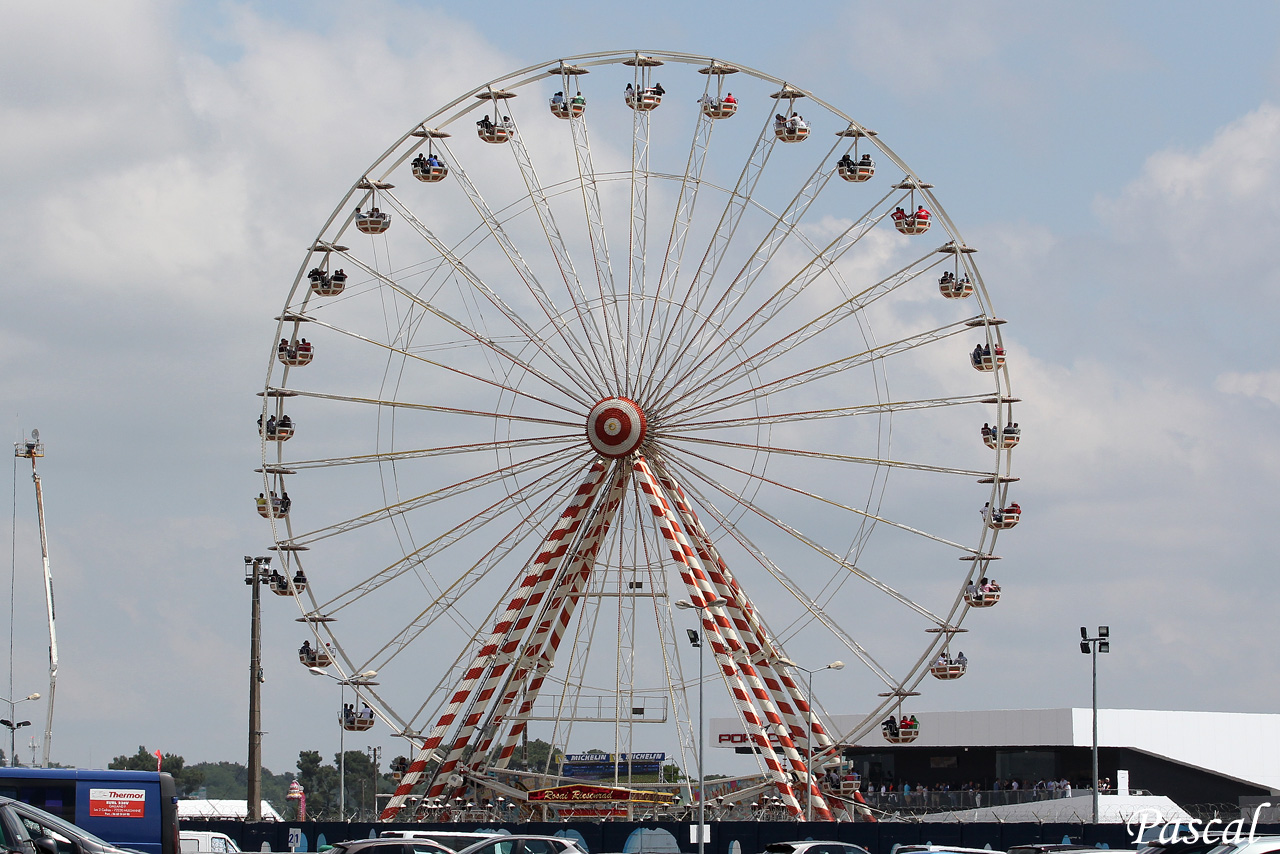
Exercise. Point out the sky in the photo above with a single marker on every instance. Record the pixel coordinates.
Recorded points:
(165, 164)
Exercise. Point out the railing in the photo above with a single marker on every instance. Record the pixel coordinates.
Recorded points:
(920, 801)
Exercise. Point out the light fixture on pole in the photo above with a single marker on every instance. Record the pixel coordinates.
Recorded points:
(695, 639)
(14, 726)
(357, 681)
(835, 665)
(1093, 646)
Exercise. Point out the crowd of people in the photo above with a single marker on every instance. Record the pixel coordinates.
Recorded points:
(994, 433)
(983, 586)
(848, 164)
(970, 794)
(982, 354)
(920, 217)
(558, 102)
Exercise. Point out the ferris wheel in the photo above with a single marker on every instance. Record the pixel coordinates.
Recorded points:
(614, 336)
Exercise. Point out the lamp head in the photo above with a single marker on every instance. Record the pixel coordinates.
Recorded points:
(317, 671)
(684, 604)
(836, 665)
(33, 696)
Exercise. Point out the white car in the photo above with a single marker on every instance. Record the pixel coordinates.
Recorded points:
(452, 839)
(519, 844)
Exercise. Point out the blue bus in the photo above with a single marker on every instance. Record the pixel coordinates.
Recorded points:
(129, 809)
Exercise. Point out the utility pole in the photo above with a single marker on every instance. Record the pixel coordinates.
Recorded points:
(255, 575)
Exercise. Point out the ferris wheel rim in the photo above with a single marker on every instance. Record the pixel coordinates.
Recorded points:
(1002, 392)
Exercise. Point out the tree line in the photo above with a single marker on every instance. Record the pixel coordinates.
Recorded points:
(320, 780)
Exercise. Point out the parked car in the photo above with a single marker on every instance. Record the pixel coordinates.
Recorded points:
(814, 846)
(941, 849)
(31, 830)
(205, 841)
(1257, 845)
(452, 839)
(384, 845)
(518, 844)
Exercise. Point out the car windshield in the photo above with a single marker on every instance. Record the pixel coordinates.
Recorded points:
(52, 822)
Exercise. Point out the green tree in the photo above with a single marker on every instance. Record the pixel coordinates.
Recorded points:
(231, 780)
(187, 780)
(320, 782)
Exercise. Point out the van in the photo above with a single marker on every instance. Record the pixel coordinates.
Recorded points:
(202, 841)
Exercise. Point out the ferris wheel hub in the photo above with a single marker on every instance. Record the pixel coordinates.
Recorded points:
(616, 426)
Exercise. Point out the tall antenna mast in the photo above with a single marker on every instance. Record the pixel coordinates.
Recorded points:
(32, 449)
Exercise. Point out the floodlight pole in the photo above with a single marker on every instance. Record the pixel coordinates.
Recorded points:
(1092, 646)
(696, 640)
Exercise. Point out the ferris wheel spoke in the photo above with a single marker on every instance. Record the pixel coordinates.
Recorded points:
(811, 606)
(850, 308)
(588, 182)
(589, 364)
(426, 453)
(808, 541)
(429, 407)
(782, 227)
(832, 456)
(638, 235)
(524, 467)
(450, 593)
(721, 237)
(822, 263)
(410, 354)
(681, 220)
(819, 372)
(677, 428)
(507, 312)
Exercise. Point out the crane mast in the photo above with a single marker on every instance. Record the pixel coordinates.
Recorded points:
(32, 449)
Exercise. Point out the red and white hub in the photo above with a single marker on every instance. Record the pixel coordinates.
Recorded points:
(616, 427)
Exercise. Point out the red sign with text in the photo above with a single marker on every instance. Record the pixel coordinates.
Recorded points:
(117, 803)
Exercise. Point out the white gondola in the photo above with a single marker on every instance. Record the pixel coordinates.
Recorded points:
(296, 353)
(568, 108)
(1003, 439)
(856, 171)
(952, 288)
(1002, 520)
(355, 723)
(718, 108)
(373, 222)
(984, 596)
(987, 359)
(315, 657)
(948, 669)
(791, 132)
(273, 507)
(913, 223)
(901, 734)
(494, 133)
(648, 99)
(429, 173)
(326, 284)
(279, 584)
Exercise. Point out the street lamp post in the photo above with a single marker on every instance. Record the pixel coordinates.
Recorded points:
(695, 639)
(255, 575)
(13, 726)
(359, 680)
(835, 665)
(1093, 646)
